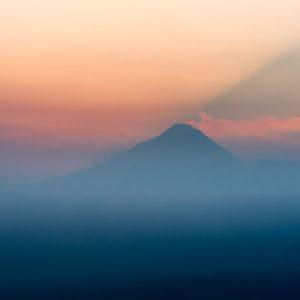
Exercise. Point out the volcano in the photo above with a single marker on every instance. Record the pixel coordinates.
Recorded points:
(180, 160)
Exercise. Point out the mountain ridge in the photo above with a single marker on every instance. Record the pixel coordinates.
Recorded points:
(180, 162)
(180, 158)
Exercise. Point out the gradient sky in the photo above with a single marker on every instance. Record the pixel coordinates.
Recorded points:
(80, 79)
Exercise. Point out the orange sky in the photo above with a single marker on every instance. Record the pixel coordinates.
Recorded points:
(263, 138)
(111, 73)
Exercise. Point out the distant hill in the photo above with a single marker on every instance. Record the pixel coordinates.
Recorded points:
(180, 160)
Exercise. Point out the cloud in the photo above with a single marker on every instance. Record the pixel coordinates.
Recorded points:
(270, 128)
(264, 138)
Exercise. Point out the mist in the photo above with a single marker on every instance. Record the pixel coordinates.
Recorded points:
(158, 220)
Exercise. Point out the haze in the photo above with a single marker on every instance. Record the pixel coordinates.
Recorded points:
(81, 80)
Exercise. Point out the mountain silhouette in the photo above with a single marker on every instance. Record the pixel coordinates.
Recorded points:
(180, 160)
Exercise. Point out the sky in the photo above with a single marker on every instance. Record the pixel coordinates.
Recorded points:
(259, 117)
(80, 80)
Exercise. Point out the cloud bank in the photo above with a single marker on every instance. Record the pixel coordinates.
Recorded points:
(262, 138)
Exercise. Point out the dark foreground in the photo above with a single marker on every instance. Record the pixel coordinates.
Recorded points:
(149, 249)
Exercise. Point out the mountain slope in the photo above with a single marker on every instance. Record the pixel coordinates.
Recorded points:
(181, 159)
(180, 162)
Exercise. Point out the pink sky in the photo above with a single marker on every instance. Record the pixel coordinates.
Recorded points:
(82, 79)
(253, 139)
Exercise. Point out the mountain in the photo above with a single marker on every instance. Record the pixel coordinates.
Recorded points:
(180, 160)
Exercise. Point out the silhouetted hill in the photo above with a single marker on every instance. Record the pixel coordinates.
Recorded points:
(181, 145)
(182, 142)
(180, 160)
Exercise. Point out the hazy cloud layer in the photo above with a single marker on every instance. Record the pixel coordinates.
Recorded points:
(272, 92)
(262, 138)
